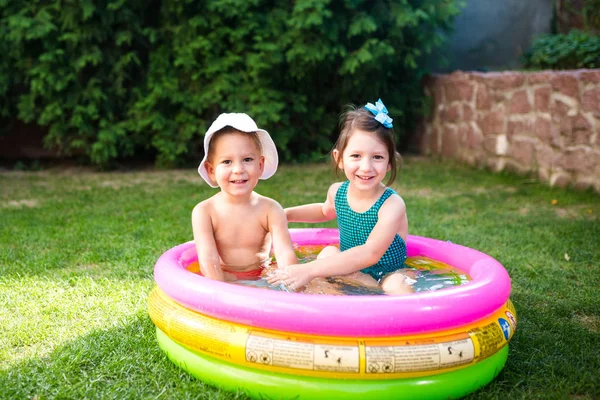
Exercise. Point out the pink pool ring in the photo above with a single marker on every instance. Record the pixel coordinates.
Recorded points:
(351, 316)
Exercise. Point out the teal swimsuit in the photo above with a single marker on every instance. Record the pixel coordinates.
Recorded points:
(355, 228)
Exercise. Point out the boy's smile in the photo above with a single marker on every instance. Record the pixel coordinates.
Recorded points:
(236, 164)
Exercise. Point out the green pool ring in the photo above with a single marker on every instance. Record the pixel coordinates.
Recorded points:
(260, 384)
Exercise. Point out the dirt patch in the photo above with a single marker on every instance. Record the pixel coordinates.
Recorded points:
(504, 189)
(429, 193)
(576, 212)
(20, 204)
(426, 193)
(524, 211)
(591, 323)
(152, 179)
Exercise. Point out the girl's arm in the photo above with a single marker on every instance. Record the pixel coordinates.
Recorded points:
(315, 212)
(282, 241)
(206, 247)
(392, 216)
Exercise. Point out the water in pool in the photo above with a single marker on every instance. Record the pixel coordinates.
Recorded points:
(426, 275)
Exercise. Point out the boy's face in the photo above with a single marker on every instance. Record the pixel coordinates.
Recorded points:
(236, 163)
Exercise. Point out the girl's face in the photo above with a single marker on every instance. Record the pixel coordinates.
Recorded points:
(365, 160)
(236, 164)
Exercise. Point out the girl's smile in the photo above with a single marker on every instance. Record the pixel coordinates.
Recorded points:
(365, 160)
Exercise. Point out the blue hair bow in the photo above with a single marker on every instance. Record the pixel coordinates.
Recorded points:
(380, 113)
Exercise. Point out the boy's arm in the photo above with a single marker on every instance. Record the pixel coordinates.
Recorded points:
(282, 241)
(206, 247)
(315, 212)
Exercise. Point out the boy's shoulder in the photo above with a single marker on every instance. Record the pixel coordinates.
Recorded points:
(266, 201)
(205, 204)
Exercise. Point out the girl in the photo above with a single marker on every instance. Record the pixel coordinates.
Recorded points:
(371, 217)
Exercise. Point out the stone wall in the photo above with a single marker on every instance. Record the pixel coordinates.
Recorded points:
(541, 123)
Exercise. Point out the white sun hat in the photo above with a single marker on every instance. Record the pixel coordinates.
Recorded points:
(243, 123)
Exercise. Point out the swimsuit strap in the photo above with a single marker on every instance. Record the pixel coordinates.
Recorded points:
(341, 199)
(386, 194)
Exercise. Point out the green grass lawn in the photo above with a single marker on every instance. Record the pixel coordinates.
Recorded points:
(77, 251)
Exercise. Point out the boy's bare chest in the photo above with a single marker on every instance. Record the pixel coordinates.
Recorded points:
(240, 224)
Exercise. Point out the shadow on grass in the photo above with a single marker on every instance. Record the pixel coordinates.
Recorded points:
(117, 363)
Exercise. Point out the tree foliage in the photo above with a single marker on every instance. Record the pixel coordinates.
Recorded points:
(112, 79)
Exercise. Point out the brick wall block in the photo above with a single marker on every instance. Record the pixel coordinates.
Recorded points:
(483, 100)
(566, 84)
(519, 103)
(451, 114)
(459, 91)
(449, 141)
(505, 80)
(581, 131)
(542, 77)
(590, 101)
(520, 127)
(542, 98)
(546, 131)
(590, 76)
(468, 114)
(544, 157)
(522, 152)
(577, 160)
(474, 138)
(560, 109)
(560, 179)
(492, 123)
(489, 145)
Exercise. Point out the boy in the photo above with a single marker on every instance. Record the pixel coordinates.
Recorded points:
(235, 229)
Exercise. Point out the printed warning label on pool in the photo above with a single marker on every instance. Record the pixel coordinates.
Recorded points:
(302, 355)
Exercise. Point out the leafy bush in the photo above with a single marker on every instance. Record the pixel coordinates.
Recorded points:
(574, 50)
(113, 79)
(71, 67)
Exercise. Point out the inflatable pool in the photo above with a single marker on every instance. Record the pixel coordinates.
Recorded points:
(272, 344)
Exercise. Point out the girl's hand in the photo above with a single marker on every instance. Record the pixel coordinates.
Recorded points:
(295, 277)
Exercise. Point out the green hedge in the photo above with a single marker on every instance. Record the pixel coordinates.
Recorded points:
(119, 79)
(574, 50)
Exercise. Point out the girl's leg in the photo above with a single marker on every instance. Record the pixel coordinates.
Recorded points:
(396, 284)
(320, 285)
(363, 279)
(355, 277)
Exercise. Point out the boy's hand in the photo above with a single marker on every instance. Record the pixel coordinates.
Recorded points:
(211, 267)
(229, 277)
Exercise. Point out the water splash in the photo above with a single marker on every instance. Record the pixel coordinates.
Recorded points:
(424, 274)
